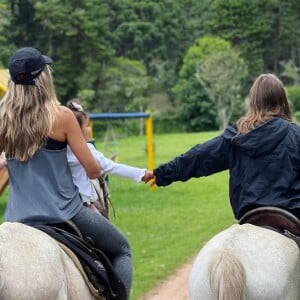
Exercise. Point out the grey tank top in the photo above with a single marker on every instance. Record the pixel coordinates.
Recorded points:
(41, 190)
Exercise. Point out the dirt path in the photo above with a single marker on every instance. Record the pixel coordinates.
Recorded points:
(174, 288)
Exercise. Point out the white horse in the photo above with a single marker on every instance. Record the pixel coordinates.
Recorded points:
(246, 262)
(33, 267)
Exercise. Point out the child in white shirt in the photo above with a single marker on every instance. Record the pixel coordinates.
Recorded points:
(86, 188)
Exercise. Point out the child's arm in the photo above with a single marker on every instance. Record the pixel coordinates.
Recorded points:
(108, 166)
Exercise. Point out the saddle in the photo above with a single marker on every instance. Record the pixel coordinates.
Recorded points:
(94, 265)
(276, 219)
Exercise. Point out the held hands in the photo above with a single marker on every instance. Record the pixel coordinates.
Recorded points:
(149, 176)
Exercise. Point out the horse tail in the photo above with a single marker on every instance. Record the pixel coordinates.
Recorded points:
(227, 276)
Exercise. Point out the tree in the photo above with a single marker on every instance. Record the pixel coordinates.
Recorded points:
(157, 33)
(6, 47)
(197, 111)
(294, 97)
(73, 33)
(152, 31)
(77, 34)
(125, 87)
(289, 38)
(248, 25)
(221, 75)
(291, 72)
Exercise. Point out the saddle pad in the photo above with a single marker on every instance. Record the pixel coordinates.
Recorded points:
(77, 263)
(96, 265)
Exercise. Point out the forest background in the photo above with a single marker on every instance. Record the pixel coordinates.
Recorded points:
(189, 62)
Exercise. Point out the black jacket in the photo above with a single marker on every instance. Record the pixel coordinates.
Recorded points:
(264, 165)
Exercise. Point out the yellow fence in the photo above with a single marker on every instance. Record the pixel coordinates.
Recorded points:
(3, 86)
(3, 82)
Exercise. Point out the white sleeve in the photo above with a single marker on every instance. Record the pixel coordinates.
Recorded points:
(108, 166)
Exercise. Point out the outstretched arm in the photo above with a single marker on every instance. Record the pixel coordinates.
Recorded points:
(109, 166)
(201, 160)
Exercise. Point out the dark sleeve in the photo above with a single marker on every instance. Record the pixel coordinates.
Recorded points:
(201, 160)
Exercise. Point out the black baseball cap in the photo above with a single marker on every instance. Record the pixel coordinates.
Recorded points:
(26, 64)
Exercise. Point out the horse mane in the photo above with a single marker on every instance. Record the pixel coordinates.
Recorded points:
(227, 276)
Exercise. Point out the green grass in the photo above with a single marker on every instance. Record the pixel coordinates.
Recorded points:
(166, 226)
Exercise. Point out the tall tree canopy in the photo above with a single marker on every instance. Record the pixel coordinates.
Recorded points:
(90, 39)
(221, 74)
(247, 25)
(198, 111)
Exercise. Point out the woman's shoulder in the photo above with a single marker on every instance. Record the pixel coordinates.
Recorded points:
(64, 116)
(64, 112)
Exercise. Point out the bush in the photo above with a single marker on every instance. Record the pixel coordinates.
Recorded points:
(167, 124)
(294, 96)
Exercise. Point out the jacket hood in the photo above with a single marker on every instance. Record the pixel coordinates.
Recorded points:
(261, 140)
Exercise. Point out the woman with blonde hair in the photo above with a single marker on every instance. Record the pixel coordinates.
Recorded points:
(262, 153)
(35, 131)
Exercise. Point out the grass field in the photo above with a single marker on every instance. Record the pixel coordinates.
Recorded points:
(166, 226)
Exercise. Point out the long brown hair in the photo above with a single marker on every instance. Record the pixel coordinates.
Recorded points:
(267, 99)
(27, 116)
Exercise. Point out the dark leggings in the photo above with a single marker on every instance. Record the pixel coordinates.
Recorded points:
(107, 238)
